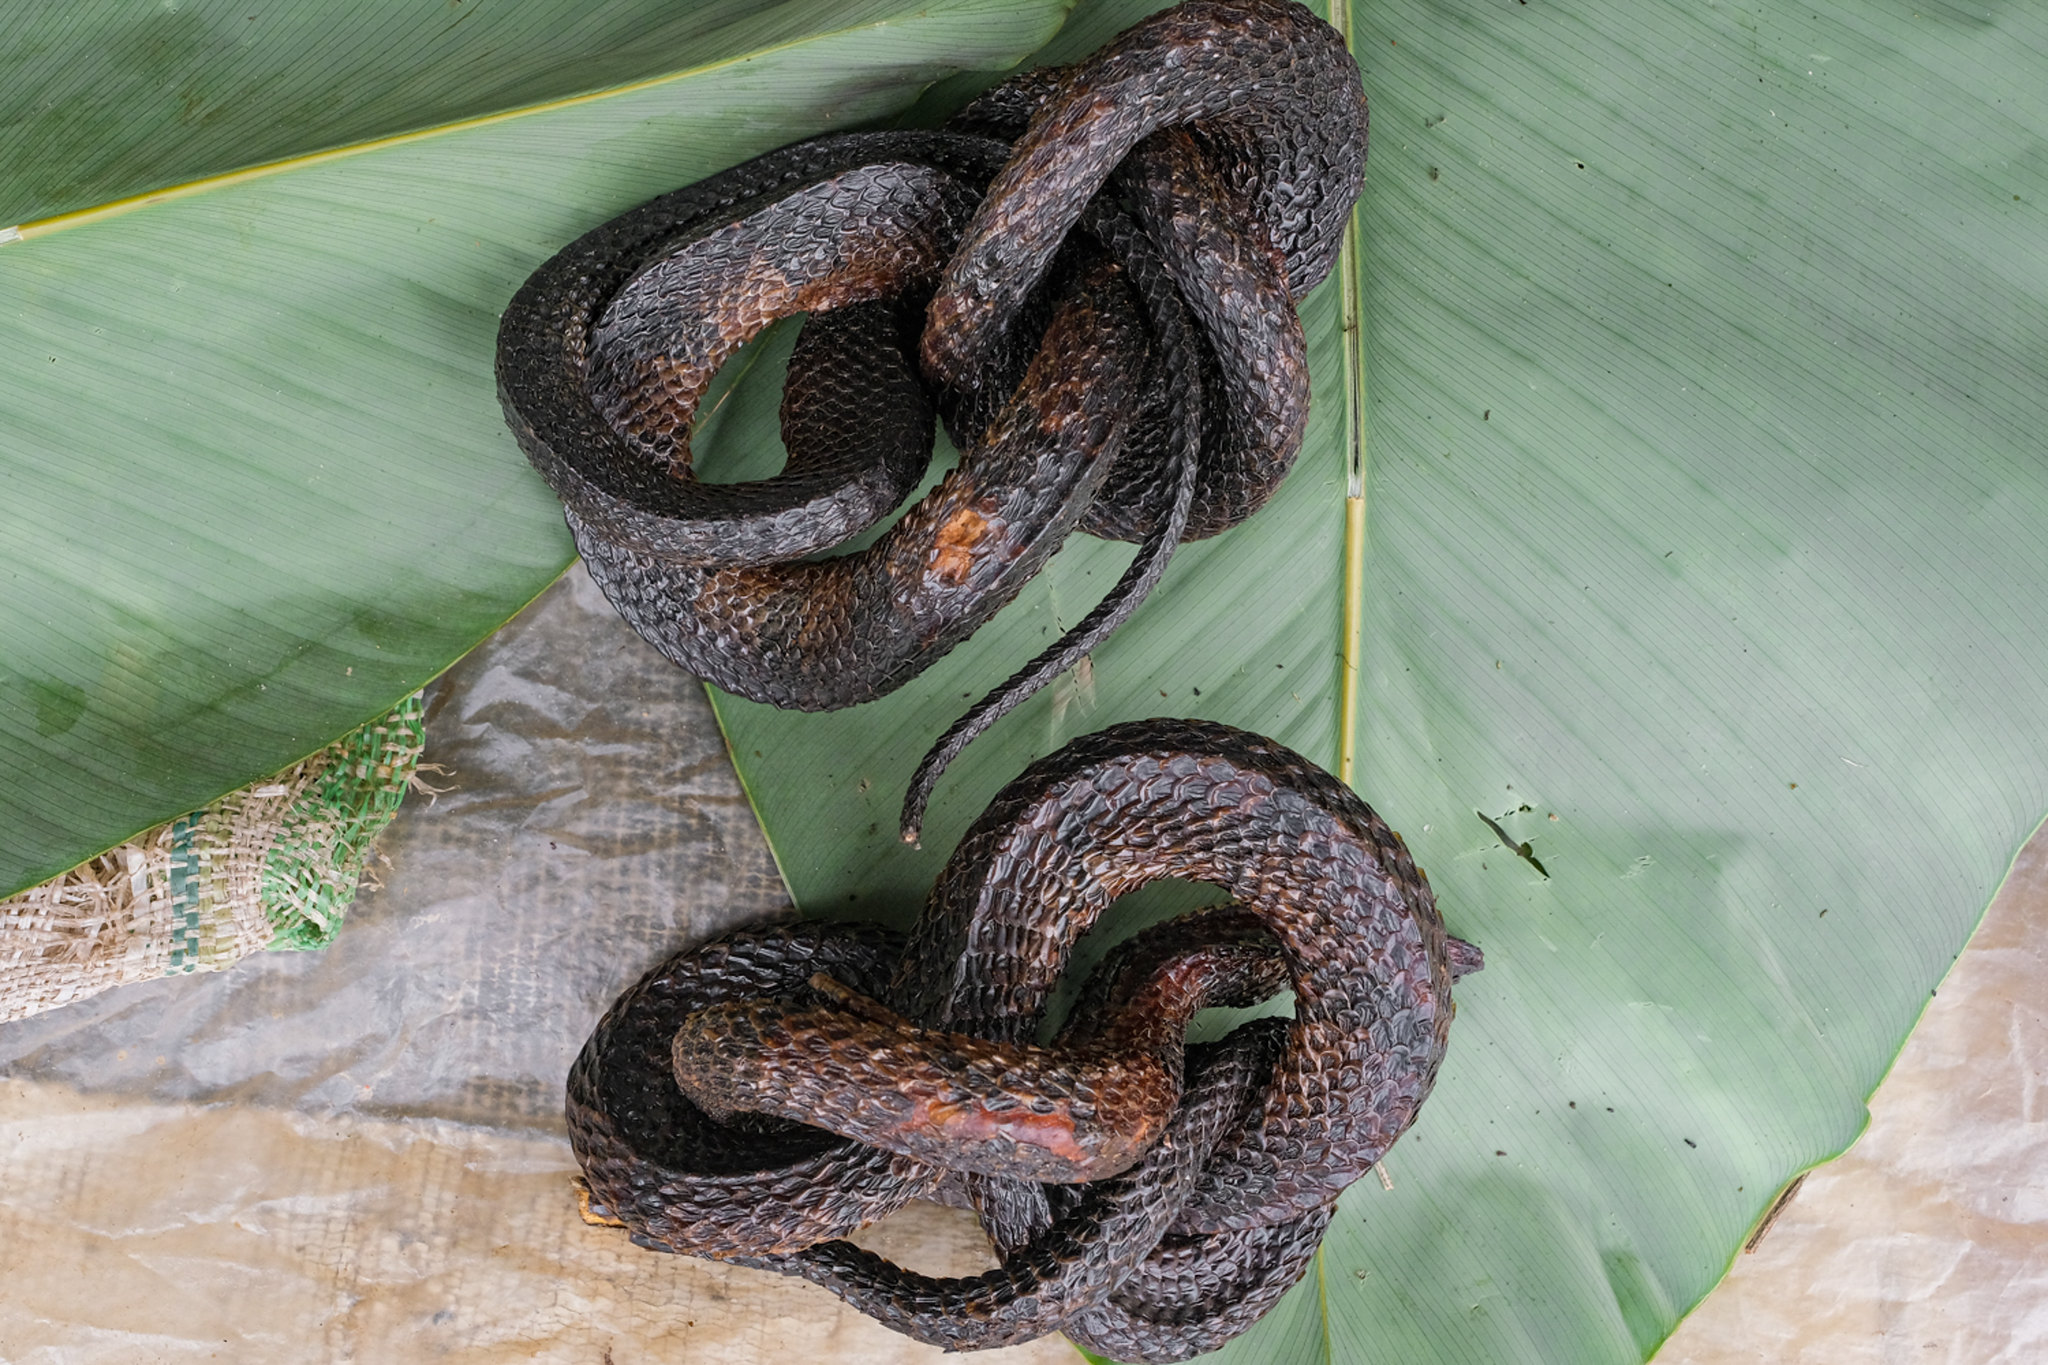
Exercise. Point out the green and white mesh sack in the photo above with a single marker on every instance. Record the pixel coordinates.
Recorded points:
(273, 865)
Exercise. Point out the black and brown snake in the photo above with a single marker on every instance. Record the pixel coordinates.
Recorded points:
(1089, 275)
(760, 1097)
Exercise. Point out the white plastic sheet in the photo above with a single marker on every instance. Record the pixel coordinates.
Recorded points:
(359, 1154)
(1928, 1241)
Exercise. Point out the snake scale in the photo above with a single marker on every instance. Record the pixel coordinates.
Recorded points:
(1088, 276)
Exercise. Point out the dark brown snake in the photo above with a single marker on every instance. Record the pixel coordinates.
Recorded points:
(1089, 276)
(760, 1097)
(1143, 378)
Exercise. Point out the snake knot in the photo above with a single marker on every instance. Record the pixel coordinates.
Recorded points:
(1089, 275)
(760, 1097)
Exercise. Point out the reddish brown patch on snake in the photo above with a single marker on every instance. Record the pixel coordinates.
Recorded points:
(971, 1122)
(953, 549)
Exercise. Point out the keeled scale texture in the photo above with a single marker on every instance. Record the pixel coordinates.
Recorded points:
(1249, 126)
(1189, 1237)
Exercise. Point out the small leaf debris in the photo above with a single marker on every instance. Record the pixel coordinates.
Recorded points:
(1770, 1217)
(1520, 850)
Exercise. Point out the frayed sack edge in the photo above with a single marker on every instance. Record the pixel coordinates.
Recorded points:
(273, 865)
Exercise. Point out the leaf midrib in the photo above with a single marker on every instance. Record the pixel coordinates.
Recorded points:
(113, 208)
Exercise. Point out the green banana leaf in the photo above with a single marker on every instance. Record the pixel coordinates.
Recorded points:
(1706, 556)
(254, 487)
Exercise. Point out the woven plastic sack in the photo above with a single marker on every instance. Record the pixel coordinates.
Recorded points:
(273, 865)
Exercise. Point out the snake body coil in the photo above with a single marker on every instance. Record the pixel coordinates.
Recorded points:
(759, 1098)
(1089, 275)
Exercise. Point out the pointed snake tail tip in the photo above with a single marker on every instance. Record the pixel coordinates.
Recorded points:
(911, 824)
(929, 770)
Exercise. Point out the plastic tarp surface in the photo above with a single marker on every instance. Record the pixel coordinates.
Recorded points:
(359, 1154)
(1928, 1240)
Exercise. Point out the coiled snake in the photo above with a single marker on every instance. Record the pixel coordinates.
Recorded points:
(1196, 1181)
(1144, 378)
